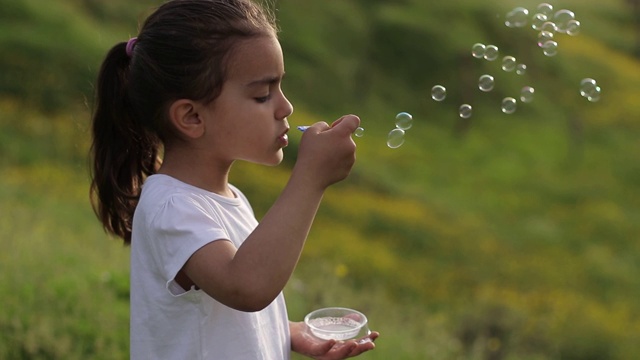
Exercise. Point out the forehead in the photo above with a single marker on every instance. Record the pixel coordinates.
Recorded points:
(256, 58)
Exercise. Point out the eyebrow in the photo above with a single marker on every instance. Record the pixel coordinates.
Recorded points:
(267, 80)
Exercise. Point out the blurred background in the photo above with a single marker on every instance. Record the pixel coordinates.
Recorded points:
(493, 237)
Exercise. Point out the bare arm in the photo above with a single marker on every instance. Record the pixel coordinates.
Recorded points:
(250, 277)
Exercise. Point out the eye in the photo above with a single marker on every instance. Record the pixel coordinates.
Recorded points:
(262, 99)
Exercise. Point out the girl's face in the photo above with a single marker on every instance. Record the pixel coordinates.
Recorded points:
(248, 120)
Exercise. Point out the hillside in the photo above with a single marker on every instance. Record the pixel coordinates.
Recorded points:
(494, 237)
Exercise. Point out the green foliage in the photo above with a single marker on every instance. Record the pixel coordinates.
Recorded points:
(49, 61)
(502, 237)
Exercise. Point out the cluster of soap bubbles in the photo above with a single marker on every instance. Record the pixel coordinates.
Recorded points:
(547, 22)
(404, 121)
(491, 53)
(486, 82)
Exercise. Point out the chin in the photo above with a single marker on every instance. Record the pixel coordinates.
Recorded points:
(275, 160)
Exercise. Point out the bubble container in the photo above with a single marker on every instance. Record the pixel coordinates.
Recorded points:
(337, 323)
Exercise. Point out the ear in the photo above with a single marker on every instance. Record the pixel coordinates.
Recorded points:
(185, 117)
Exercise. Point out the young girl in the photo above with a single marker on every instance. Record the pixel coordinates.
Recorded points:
(198, 89)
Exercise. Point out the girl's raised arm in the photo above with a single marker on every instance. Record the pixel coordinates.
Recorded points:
(250, 277)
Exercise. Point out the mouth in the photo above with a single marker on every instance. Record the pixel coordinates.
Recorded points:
(283, 139)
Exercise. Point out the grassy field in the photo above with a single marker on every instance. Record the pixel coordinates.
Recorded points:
(502, 237)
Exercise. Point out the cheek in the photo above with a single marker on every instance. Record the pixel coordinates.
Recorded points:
(248, 138)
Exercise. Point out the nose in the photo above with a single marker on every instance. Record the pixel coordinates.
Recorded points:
(285, 108)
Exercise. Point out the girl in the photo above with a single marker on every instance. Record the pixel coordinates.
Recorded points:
(198, 89)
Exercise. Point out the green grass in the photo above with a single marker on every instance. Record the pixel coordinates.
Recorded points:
(65, 285)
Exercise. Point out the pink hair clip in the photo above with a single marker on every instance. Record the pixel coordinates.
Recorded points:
(130, 44)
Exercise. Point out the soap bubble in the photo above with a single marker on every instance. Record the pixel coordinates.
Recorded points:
(595, 96)
(589, 89)
(521, 69)
(573, 27)
(509, 105)
(404, 121)
(562, 18)
(544, 36)
(395, 139)
(465, 111)
(486, 83)
(359, 132)
(517, 17)
(549, 26)
(538, 20)
(550, 48)
(438, 93)
(509, 63)
(526, 94)
(478, 50)
(491, 52)
(546, 9)
(587, 84)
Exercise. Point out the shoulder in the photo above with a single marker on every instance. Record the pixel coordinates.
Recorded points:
(166, 198)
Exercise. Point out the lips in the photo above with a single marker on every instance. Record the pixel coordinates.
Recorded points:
(284, 138)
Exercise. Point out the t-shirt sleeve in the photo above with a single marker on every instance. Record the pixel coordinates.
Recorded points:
(182, 226)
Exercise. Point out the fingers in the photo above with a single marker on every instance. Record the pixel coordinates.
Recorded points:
(318, 127)
(344, 350)
(337, 350)
(347, 124)
(351, 348)
(327, 152)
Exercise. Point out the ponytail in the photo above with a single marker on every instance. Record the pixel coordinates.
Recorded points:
(123, 152)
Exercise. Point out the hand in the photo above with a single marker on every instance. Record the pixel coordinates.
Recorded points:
(303, 342)
(327, 153)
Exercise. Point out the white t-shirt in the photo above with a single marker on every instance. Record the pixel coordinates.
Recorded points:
(172, 221)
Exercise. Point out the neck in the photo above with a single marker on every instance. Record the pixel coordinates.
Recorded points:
(196, 169)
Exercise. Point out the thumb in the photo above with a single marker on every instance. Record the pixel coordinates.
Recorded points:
(347, 124)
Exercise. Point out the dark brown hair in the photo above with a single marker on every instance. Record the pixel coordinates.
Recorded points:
(180, 53)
